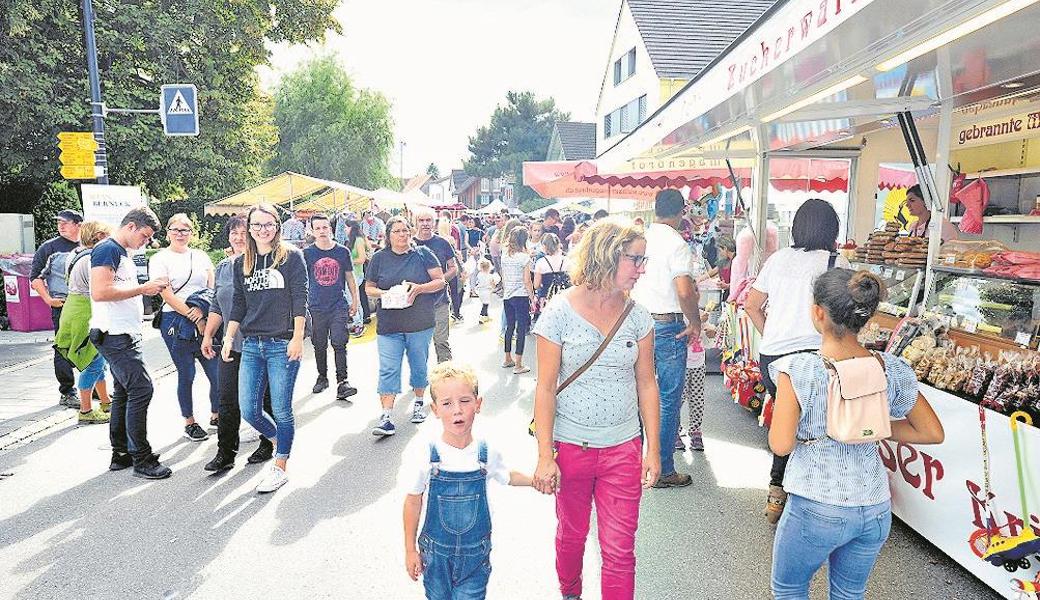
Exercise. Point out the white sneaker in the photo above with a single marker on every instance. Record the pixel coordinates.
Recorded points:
(418, 416)
(274, 479)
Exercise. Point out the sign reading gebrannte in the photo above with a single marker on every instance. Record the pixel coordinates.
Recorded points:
(179, 109)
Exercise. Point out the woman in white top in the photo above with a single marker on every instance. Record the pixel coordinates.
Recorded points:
(786, 283)
(517, 296)
(189, 270)
(534, 238)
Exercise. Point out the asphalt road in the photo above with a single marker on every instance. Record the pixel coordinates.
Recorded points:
(71, 529)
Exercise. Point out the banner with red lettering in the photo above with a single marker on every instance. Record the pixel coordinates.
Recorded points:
(938, 490)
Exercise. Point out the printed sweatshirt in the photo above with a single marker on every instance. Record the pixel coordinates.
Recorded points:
(266, 302)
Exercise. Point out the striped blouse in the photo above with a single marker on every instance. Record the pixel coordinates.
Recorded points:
(833, 472)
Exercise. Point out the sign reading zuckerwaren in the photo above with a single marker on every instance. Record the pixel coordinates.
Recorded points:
(939, 490)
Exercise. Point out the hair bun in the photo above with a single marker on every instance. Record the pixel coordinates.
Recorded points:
(866, 289)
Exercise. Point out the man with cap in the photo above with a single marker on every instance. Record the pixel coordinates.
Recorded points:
(47, 278)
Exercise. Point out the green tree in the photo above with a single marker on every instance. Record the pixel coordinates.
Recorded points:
(518, 131)
(330, 128)
(215, 44)
(433, 171)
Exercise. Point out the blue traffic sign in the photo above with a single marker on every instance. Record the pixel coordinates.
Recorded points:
(179, 109)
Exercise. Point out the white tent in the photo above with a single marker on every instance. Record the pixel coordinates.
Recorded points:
(494, 207)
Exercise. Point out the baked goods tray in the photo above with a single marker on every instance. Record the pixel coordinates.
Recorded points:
(980, 273)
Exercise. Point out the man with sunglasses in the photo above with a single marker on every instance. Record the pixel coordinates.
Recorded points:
(668, 291)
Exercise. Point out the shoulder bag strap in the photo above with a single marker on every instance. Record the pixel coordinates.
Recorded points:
(832, 260)
(602, 347)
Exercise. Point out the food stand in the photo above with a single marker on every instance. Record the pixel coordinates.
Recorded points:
(931, 83)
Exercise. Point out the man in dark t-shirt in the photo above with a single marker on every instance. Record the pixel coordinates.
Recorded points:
(330, 274)
(445, 253)
(67, 240)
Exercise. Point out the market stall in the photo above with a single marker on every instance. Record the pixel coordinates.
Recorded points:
(293, 191)
(935, 93)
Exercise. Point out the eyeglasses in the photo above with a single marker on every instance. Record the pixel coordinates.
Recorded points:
(263, 226)
(637, 259)
(179, 230)
(399, 231)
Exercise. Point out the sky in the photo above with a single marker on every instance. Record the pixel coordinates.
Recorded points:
(446, 64)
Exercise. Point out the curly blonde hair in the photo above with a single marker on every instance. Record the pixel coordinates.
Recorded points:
(598, 255)
(92, 232)
(452, 370)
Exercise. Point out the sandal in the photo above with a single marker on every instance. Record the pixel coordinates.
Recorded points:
(775, 504)
(521, 370)
(508, 364)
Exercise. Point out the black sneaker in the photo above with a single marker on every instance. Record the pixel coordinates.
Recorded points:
(221, 462)
(120, 461)
(320, 385)
(214, 423)
(152, 469)
(69, 400)
(344, 390)
(195, 433)
(263, 453)
(673, 481)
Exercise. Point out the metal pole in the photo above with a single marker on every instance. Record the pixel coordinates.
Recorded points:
(402, 165)
(97, 107)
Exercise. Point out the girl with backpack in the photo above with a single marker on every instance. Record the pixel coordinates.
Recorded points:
(550, 272)
(838, 506)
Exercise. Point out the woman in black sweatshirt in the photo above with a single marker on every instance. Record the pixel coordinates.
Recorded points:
(270, 308)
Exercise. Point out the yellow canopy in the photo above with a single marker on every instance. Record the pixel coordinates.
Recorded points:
(313, 193)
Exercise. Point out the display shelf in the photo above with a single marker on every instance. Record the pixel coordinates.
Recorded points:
(1005, 220)
(981, 273)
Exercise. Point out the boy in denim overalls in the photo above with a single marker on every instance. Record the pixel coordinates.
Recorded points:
(454, 548)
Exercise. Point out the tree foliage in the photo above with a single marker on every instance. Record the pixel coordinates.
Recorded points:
(331, 129)
(518, 131)
(214, 44)
(433, 171)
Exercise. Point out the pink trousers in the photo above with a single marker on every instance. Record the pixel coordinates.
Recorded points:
(611, 478)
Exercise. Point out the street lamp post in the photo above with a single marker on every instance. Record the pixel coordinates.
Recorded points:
(403, 144)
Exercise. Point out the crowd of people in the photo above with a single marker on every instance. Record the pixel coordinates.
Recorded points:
(614, 310)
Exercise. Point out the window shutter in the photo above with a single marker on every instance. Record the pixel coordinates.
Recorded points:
(617, 71)
(606, 126)
(632, 61)
(642, 108)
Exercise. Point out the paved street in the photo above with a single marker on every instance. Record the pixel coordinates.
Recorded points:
(71, 529)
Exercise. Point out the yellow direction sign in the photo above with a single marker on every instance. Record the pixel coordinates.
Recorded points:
(79, 172)
(77, 140)
(77, 158)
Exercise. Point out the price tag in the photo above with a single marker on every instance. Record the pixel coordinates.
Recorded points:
(887, 273)
(875, 269)
(1023, 338)
(950, 260)
(900, 275)
(969, 326)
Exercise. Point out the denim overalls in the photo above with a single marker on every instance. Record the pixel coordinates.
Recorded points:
(456, 538)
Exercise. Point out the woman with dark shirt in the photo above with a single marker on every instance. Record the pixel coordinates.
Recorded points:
(270, 308)
(404, 331)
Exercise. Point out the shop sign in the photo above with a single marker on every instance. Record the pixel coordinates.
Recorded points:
(110, 203)
(1015, 127)
(650, 165)
(938, 490)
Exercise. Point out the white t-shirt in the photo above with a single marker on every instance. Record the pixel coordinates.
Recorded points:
(787, 278)
(669, 257)
(415, 473)
(178, 266)
(552, 264)
(120, 316)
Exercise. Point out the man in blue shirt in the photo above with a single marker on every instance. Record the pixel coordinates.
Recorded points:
(445, 253)
(330, 274)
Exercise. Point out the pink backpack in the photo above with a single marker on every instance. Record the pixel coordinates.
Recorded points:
(857, 400)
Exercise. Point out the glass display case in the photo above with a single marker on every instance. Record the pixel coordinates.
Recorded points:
(904, 284)
(987, 305)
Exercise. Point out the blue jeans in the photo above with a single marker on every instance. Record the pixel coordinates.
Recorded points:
(184, 354)
(94, 373)
(810, 533)
(670, 362)
(358, 317)
(393, 347)
(265, 363)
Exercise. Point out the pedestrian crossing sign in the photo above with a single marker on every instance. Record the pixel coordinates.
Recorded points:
(180, 109)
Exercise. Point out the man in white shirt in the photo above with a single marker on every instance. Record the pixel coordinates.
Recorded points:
(668, 291)
(115, 330)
